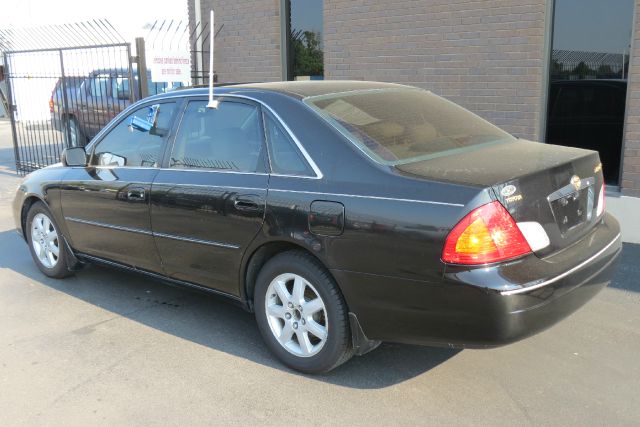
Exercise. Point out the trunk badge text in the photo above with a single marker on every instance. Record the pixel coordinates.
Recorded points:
(576, 182)
(508, 193)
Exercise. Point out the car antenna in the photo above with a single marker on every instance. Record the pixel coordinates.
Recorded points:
(212, 102)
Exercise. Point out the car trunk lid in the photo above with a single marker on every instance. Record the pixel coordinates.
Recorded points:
(557, 187)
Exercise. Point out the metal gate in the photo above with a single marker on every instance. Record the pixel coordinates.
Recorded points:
(64, 83)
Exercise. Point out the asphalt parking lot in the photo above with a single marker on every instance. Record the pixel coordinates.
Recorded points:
(107, 347)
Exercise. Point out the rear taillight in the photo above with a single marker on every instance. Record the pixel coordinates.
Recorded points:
(487, 234)
(51, 105)
(601, 202)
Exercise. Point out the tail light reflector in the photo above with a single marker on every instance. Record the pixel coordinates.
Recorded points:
(487, 234)
(51, 105)
(601, 202)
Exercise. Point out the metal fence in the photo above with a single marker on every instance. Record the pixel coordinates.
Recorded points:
(579, 65)
(66, 82)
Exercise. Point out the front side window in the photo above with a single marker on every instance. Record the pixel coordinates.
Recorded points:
(126, 145)
(396, 126)
(284, 156)
(225, 138)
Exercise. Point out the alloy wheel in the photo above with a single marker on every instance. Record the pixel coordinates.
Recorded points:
(44, 240)
(297, 315)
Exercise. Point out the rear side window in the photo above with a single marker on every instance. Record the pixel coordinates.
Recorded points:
(225, 138)
(98, 85)
(124, 146)
(396, 126)
(284, 155)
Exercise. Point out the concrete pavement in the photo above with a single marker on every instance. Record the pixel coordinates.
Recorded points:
(106, 347)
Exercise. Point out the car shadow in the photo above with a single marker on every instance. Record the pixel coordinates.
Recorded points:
(628, 271)
(211, 321)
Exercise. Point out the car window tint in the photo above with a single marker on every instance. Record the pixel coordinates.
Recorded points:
(396, 126)
(284, 155)
(224, 138)
(125, 146)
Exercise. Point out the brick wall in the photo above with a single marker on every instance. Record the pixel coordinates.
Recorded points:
(631, 155)
(485, 55)
(248, 46)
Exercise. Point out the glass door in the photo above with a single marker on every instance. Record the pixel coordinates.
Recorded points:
(588, 78)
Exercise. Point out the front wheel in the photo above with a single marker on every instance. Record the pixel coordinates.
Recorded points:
(46, 243)
(301, 313)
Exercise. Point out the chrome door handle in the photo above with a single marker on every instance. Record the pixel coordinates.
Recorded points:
(247, 203)
(136, 194)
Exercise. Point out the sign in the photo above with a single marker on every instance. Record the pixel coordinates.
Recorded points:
(170, 66)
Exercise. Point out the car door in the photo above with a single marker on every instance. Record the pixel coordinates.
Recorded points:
(106, 204)
(208, 202)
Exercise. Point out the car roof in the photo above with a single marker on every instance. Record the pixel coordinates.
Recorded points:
(295, 89)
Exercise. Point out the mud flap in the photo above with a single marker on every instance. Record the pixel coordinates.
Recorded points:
(361, 344)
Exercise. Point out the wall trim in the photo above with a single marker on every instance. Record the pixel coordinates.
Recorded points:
(546, 69)
(628, 97)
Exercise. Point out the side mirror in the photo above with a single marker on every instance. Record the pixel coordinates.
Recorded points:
(75, 156)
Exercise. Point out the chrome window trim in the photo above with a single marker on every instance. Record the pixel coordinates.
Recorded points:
(304, 152)
(268, 145)
(563, 275)
(90, 147)
(215, 171)
(151, 233)
(279, 175)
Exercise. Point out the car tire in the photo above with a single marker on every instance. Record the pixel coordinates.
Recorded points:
(45, 239)
(301, 313)
(72, 134)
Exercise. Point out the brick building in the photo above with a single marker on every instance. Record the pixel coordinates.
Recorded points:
(493, 57)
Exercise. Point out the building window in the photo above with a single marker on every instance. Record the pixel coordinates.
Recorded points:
(304, 59)
(588, 78)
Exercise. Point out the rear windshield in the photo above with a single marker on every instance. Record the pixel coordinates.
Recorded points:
(397, 126)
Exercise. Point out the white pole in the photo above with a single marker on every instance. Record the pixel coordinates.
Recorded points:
(199, 47)
(212, 103)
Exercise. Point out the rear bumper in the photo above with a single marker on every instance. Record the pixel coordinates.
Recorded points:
(486, 306)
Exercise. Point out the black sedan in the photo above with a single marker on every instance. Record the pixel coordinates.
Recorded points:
(342, 213)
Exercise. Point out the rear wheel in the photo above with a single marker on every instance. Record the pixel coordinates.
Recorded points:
(301, 313)
(46, 244)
